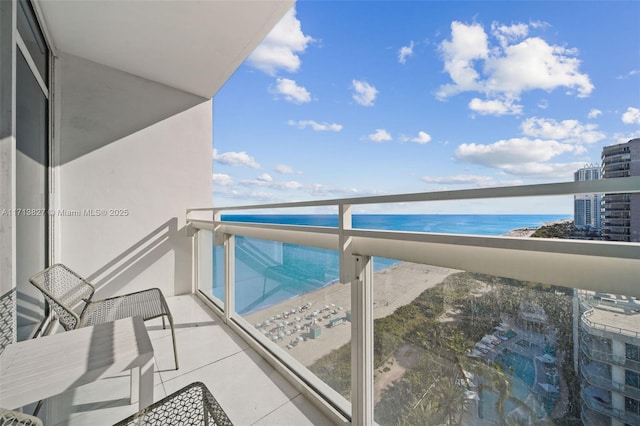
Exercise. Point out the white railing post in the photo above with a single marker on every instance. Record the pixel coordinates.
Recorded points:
(347, 269)
(229, 276)
(362, 342)
(229, 244)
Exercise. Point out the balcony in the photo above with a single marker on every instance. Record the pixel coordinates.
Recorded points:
(594, 402)
(246, 386)
(347, 255)
(251, 356)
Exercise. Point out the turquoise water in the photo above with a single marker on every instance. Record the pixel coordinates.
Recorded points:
(523, 375)
(521, 369)
(269, 272)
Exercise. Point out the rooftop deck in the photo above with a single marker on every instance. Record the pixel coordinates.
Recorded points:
(622, 318)
(250, 391)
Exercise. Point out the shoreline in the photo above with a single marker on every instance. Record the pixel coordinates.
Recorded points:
(288, 323)
(528, 231)
(395, 286)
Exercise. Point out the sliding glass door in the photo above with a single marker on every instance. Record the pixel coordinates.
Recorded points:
(32, 164)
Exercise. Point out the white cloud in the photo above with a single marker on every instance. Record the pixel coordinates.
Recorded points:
(470, 180)
(364, 93)
(285, 170)
(288, 185)
(422, 138)
(522, 157)
(280, 49)
(222, 179)
(544, 170)
(404, 52)
(235, 159)
(267, 181)
(265, 177)
(631, 116)
(380, 135)
(625, 137)
(512, 151)
(291, 91)
(565, 130)
(534, 64)
(468, 43)
(629, 74)
(594, 113)
(324, 191)
(509, 34)
(511, 66)
(495, 107)
(318, 127)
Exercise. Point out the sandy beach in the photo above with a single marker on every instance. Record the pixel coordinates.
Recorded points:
(528, 231)
(393, 287)
(288, 323)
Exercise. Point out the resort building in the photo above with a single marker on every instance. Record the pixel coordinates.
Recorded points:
(586, 211)
(106, 167)
(609, 359)
(621, 212)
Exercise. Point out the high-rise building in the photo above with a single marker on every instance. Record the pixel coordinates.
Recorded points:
(609, 359)
(621, 212)
(586, 212)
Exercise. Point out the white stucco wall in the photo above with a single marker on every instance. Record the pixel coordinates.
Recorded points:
(142, 151)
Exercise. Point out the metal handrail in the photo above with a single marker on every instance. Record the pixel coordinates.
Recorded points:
(609, 186)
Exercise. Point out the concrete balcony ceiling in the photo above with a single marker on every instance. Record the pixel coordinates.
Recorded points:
(193, 46)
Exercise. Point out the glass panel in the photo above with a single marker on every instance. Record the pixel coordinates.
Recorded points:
(291, 294)
(632, 378)
(632, 352)
(452, 347)
(31, 190)
(210, 268)
(218, 273)
(32, 36)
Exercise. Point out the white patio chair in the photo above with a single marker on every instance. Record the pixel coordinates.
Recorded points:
(190, 406)
(15, 418)
(64, 290)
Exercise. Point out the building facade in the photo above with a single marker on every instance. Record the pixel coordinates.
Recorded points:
(609, 360)
(621, 212)
(586, 213)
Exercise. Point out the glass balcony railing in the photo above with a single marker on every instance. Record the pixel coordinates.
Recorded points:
(402, 327)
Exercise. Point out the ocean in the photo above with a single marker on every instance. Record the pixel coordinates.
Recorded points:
(269, 272)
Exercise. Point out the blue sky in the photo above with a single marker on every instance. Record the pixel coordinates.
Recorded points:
(365, 98)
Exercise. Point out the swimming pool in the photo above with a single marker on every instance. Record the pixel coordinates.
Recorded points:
(522, 371)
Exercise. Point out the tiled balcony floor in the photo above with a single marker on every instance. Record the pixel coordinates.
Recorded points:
(250, 391)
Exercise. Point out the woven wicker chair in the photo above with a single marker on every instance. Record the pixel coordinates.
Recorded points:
(191, 405)
(64, 290)
(15, 418)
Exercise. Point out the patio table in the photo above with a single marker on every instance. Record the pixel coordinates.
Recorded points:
(36, 369)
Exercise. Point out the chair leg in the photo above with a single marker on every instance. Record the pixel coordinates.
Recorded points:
(37, 409)
(173, 337)
(164, 327)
